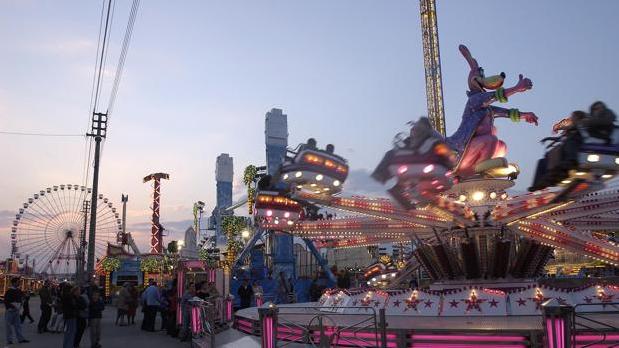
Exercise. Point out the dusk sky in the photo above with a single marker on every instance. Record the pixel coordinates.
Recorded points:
(200, 76)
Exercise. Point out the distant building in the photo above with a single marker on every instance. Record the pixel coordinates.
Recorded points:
(224, 175)
(276, 137)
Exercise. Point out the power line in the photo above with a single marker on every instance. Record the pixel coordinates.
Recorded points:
(123, 54)
(37, 134)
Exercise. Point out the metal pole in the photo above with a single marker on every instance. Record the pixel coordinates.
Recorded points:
(90, 267)
(383, 327)
(124, 199)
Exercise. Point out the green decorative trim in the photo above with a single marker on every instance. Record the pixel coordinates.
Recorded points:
(514, 115)
(499, 93)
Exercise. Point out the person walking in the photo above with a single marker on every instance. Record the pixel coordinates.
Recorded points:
(45, 294)
(95, 313)
(151, 301)
(245, 293)
(12, 303)
(82, 316)
(69, 313)
(25, 313)
(124, 297)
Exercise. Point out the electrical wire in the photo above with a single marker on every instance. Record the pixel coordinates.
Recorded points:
(123, 55)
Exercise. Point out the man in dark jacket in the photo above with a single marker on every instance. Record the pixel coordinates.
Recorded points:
(95, 311)
(12, 301)
(46, 307)
(245, 292)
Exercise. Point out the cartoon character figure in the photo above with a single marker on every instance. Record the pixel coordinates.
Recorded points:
(475, 140)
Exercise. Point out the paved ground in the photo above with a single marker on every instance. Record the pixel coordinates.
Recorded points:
(116, 336)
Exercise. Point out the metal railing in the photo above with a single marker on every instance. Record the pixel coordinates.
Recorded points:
(320, 327)
(203, 315)
(583, 320)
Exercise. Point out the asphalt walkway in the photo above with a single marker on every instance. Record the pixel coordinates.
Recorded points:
(118, 336)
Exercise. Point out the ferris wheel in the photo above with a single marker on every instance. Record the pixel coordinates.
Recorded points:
(51, 226)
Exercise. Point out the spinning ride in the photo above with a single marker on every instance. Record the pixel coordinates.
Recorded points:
(49, 229)
(452, 196)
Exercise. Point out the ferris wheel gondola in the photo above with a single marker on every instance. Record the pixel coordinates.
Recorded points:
(51, 226)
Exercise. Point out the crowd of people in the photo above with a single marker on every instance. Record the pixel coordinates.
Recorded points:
(64, 308)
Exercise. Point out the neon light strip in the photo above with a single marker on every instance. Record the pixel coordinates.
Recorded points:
(469, 338)
(596, 337)
(456, 345)
(550, 333)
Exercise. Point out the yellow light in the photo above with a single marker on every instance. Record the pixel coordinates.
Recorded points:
(492, 195)
(478, 195)
(336, 183)
(319, 177)
(566, 181)
(462, 198)
(298, 174)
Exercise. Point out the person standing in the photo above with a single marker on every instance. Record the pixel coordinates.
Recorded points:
(95, 313)
(69, 313)
(190, 293)
(164, 303)
(45, 294)
(124, 297)
(25, 313)
(82, 316)
(245, 292)
(12, 303)
(151, 302)
(133, 304)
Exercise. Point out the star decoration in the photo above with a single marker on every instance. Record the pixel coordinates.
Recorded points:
(604, 298)
(539, 299)
(587, 299)
(412, 303)
(376, 303)
(493, 303)
(396, 303)
(473, 302)
(354, 303)
(521, 302)
(428, 304)
(453, 304)
(561, 301)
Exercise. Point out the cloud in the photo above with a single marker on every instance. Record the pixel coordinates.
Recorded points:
(6, 218)
(360, 183)
(67, 47)
(174, 230)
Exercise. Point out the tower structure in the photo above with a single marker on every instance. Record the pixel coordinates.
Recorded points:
(432, 64)
(224, 174)
(276, 139)
(156, 239)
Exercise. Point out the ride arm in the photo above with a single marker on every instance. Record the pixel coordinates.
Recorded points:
(132, 244)
(321, 261)
(502, 94)
(514, 114)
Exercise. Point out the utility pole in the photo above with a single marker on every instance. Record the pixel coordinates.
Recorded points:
(79, 274)
(99, 130)
(156, 239)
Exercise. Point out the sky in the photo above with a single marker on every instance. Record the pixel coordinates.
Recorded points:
(200, 76)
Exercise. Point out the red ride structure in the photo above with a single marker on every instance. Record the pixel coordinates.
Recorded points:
(156, 240)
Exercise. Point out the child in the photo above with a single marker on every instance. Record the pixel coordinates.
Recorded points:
(95, 309)
(26, 308)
